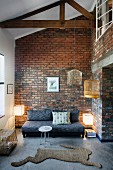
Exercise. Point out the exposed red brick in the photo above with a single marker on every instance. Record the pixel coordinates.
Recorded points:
(52, 52)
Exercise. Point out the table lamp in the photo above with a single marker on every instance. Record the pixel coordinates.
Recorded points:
(19, 110)
(88, 119)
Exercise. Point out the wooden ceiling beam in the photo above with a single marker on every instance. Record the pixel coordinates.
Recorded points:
(79, 8)
(62, 10)
(62, 23)
(46, 24)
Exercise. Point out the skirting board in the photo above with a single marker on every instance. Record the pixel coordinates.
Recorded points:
(104, 140)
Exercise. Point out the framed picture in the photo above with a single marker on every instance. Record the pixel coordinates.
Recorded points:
(9, 88)
(52, 84)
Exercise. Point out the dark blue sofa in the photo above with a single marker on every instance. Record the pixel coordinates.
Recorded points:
(38, 118)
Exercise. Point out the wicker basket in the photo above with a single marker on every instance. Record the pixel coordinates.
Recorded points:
(8, 141)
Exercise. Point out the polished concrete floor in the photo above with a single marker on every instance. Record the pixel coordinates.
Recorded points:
(101, 153)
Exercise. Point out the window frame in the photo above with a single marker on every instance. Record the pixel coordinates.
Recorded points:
(103, 15)
(2, 83)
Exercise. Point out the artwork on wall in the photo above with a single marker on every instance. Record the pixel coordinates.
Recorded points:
(52, 84)
(9, 88)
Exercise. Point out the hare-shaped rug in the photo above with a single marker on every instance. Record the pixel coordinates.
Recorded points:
(73, 154)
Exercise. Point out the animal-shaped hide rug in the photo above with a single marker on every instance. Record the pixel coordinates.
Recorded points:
(73, 154)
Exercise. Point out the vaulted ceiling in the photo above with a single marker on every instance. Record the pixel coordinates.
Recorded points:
(51, 13)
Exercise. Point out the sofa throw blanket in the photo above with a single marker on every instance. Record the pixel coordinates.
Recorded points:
(73, 154)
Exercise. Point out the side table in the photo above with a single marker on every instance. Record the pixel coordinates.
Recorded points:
(44, 129)
(8, 141)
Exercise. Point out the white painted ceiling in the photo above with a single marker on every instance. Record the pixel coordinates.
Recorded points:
(13, 8)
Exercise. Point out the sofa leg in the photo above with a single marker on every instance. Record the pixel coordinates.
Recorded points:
(23, 134)
(82, 135)
(53, 136)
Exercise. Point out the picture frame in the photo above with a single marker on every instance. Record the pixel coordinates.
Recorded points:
(52, 84)
(9, 88)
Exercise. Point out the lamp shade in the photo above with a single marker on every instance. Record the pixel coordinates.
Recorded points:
(88, 119)
(91, 89)
(19, 110)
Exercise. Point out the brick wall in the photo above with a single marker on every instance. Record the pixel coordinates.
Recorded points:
(107, 103)
(52, 52)
(103, 45)
(102, 107)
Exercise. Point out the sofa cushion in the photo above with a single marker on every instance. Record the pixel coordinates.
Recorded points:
(76, 127)
(74, 116)
(61, 117)
(33, 126)
(42, 115)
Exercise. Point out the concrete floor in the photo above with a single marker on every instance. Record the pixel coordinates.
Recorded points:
(101, 153)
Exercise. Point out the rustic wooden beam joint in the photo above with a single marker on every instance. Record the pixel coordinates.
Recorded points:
(18, 22)
(80, 9)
